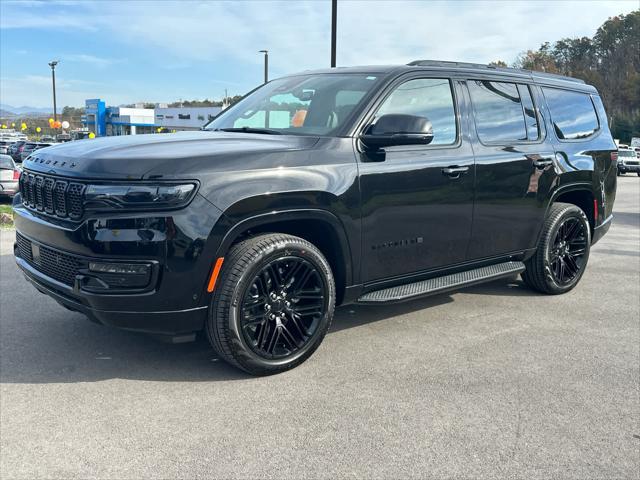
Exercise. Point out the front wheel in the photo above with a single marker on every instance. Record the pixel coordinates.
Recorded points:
(563, 251)
(273, 304)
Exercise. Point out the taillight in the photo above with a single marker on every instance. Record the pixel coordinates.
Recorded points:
(614, 156)
(595, 211)
(16, 174)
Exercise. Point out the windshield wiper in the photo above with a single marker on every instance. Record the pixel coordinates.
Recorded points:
(265, 131)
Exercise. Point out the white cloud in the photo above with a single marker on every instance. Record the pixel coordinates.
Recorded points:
(91, 60)
(35, 91)
(228, 35)
(369, 32)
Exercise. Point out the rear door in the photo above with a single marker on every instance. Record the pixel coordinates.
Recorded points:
(514, 167)
(417, 201)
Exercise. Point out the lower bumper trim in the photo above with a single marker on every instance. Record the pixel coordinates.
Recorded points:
(172, 322)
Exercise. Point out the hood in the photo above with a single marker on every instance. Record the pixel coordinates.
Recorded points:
(133, 156)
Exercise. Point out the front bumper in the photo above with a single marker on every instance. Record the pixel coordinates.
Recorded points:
(171, 322)
(178, 244)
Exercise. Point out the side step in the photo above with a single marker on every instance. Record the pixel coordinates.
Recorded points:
(442, 284)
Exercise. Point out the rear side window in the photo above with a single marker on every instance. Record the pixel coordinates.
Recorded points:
(572, 114)
(5, 162)
(504, 112)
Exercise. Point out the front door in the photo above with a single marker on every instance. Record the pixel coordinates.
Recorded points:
(514, 168)
(417, 201)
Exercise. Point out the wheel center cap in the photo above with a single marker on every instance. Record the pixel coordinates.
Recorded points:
(277, 305)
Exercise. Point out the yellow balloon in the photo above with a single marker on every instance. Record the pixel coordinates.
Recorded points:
(92, 135)
(38, 129)
(13, 125)
(158, 129)
(4, 126)
(23, 126)
(51, 120)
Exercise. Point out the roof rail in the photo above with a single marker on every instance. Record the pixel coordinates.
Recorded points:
(481, 66)
(444, 63)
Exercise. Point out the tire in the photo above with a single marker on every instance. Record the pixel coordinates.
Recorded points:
(562, 253)
(273, 304)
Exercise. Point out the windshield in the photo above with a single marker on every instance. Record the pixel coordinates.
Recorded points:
(304, 105)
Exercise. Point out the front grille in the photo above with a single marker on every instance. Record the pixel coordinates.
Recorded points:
(51, 195)
(53, 263)
(631, 162)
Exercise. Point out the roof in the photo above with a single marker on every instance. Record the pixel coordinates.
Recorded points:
(469, 68)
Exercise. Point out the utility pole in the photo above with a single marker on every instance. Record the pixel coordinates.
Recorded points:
(53, 64)
(266, 65)
(334, 24)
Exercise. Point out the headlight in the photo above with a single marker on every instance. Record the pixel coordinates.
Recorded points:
(138, 197)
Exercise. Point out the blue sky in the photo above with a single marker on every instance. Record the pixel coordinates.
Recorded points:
(162, 51)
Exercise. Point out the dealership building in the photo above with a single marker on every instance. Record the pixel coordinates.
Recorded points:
(112, 121)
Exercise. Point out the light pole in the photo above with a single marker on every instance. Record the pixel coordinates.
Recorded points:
(53, 64)
(266, 64)
(334, 25)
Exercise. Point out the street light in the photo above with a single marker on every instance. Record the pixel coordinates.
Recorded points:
(266, 64)
(53, 64)
(334, 24)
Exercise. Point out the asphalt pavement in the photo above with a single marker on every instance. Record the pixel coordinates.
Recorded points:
(494, 381)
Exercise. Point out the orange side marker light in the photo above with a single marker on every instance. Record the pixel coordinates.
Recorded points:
(214, 275)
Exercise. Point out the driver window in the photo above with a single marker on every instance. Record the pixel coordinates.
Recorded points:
(426, 97)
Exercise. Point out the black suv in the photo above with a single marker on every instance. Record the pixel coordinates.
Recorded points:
(368, 185)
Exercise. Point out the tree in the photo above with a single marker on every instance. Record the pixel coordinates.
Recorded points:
(610, 61)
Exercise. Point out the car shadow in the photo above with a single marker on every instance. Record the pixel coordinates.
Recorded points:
(41, 342)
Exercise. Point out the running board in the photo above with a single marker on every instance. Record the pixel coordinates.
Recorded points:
(442, 284)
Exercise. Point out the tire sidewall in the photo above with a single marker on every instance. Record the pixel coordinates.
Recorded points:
(242, 351)
(572, 212)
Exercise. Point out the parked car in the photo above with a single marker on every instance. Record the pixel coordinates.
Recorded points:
(369, 185)
(15, 149)
(9, 175)
(628, 161)
(4, 146)
(31, 147)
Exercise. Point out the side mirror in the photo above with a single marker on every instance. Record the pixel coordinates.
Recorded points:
(397, 129)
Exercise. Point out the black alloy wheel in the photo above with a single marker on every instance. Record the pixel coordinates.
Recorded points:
(272, 305)
(283, 306)
(567, 256)
(562, 253)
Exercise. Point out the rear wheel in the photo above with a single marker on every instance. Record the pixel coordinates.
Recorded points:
(563, 251)
(273, 304)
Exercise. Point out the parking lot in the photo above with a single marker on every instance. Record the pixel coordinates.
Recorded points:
(493, 381)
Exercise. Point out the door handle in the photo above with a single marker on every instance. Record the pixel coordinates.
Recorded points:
(455, 171)
(543, 162)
